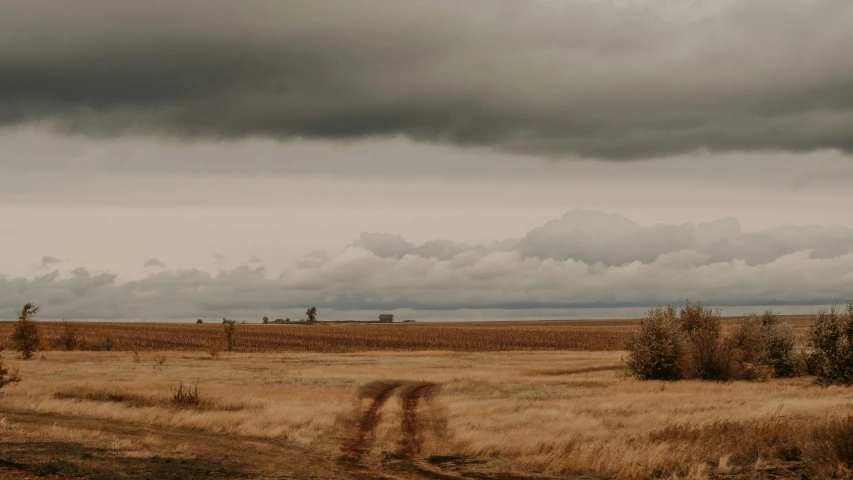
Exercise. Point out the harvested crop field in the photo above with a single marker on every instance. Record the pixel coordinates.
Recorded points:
(586, 335)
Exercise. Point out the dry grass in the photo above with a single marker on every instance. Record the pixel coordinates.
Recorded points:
(545, 413)
(598, 335)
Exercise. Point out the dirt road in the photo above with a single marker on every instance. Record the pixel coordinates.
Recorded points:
(206, 455)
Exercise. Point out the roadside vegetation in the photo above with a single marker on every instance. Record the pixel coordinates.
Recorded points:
(689, 342)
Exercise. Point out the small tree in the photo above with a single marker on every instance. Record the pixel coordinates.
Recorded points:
(26, 335)
(266, 320)
(199, 321)
(312, 314)
(229, 328)
(386, 317)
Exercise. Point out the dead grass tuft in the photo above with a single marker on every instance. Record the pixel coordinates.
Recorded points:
(183, 397)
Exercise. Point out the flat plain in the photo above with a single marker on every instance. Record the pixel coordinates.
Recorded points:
(541, 400)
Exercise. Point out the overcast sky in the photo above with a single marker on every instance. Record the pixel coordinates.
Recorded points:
(444, 160)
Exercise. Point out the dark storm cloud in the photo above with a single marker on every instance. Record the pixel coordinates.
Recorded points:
(584, 259)
(562, 78)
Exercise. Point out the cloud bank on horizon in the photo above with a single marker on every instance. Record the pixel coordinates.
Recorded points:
(585, 259)
(563, 78)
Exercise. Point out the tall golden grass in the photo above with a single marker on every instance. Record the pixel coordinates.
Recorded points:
(551, 413)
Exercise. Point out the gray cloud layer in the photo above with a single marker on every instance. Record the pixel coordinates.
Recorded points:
(566, 77)
(584, 259)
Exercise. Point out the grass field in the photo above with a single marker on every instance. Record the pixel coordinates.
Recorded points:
(305, 410)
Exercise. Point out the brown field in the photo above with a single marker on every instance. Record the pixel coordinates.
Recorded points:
(590, 335)
(295, 406)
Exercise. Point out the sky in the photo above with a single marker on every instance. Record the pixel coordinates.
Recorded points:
(440, 160)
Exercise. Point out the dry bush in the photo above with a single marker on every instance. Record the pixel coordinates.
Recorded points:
(707, 357)
(186, 396)
(747, 351)
(674, 344)
(832, 341)
(26, 334)
(783, 354)
(658, 350)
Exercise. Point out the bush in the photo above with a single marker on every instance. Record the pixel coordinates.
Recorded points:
(832, 341)
(386, 317)
(674, 344)
(782, 353)
(26, 335)
(658, 350)
(186, 396)
(708, 358)
(747, 351)
(761, 347)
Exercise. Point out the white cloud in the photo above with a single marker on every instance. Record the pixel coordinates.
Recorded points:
(582, 260)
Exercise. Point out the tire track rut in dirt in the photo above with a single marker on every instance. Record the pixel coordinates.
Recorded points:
(378, 392)
(412, 440)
